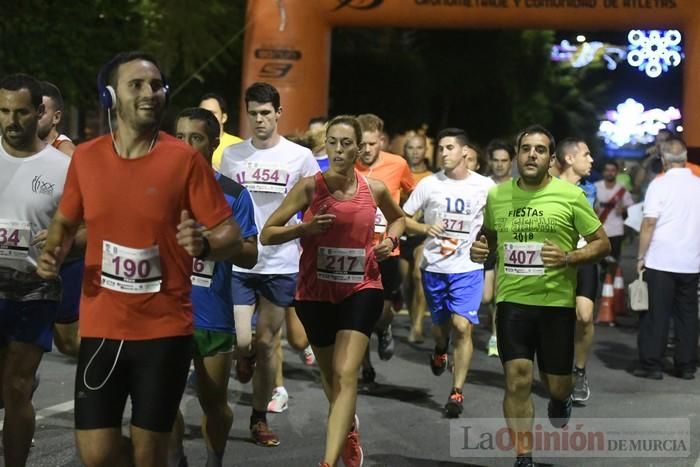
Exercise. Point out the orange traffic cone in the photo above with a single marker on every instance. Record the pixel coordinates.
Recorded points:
(606, 312)
(619, 291)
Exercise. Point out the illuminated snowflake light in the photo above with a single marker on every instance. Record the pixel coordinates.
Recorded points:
(654, 51)
(630, 124)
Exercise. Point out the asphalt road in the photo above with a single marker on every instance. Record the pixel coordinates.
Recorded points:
(401, 417)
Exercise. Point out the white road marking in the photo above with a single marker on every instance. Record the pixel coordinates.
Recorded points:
(50, 411)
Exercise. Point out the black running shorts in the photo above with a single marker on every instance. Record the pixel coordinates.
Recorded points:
(391, 279)
(358, 312)
(408, 246)
(152, 372)
(548, 331)
(587, 281)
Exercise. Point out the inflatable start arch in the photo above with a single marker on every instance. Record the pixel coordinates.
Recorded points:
(288, 42)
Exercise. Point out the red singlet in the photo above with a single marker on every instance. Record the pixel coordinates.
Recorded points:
(339, 262)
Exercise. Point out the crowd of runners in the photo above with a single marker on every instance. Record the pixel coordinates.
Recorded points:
(141, 252)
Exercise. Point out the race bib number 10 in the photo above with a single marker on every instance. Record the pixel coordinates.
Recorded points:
(523, 259)
(130, 270)
(345, 265)
(202, 272)
(264, 178)
(15, 237)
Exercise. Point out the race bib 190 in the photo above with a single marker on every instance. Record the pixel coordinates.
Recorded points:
(264, 177)
(456, 225)
(345, 265)
(130, 270)
(202, 272)
(15, 237)
(523, 259)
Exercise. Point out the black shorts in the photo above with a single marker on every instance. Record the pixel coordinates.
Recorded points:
(490, 263)
(616, 246)
(587, 281)
(408, 246)
(524, 330)
(152, 372)
(391, 279)
(322, 320)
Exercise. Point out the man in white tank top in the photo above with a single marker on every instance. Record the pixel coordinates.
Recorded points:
(32, 175)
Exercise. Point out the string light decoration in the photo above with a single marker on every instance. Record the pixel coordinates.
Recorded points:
(654, 52)
(631, 124)
(583, 54)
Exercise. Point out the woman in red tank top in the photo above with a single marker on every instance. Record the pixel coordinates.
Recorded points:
(339, 291)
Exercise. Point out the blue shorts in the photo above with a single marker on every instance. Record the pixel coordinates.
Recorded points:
(458, 293)
(29, 322)
(72, 279)
(277, 288)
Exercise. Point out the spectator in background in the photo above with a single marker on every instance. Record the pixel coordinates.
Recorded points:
(317, 123)
(217, 105)
(48, 123)
(651, 165)
(612, 201)
(669, 251)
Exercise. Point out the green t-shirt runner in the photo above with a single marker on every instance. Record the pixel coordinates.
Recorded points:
(523, 220)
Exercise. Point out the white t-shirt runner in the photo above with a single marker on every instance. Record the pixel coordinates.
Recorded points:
(30, 189)
(459, 206)
(269, 174)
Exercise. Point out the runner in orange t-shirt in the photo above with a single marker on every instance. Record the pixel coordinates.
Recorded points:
(135, 190)
(394, 172)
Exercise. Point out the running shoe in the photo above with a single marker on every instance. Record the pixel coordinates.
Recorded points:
(438, 363)
(493, 347)
(368, 375)
(262, 435)
(454, 405)
(559, 412)
(385, 349)
(279, 400)
(582, 391)
(352, 454)
(245, 366)
(307, 356)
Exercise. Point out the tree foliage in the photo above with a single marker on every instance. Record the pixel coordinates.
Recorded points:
(67, 42)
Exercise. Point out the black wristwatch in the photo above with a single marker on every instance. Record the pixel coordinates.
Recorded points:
(206, 249)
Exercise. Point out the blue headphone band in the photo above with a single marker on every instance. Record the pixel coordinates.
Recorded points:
(107, 94)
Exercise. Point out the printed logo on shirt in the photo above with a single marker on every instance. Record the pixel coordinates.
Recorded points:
(41, 186)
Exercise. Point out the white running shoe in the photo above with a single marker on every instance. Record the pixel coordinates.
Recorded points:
(279, 401)
(493, 347)
(307, 356)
